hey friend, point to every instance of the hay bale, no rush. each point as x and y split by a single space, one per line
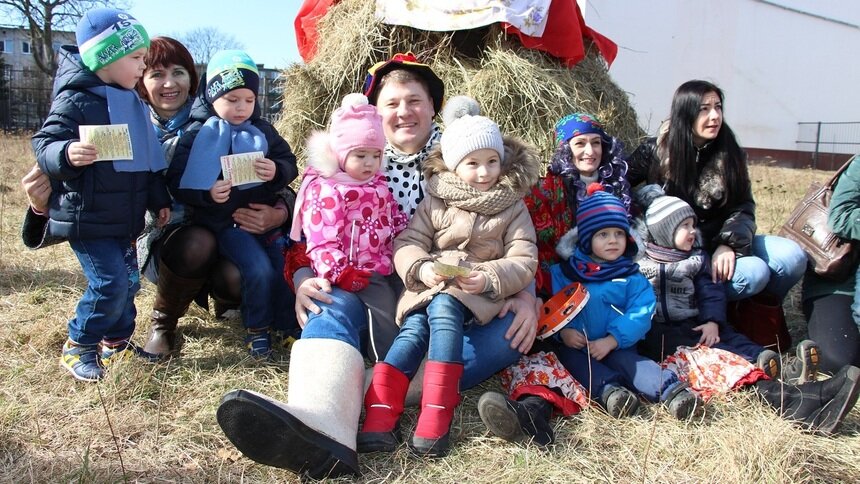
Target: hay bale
524 90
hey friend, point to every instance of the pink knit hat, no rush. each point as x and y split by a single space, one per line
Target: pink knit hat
355 124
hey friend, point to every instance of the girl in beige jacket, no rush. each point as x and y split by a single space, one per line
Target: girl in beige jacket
470 245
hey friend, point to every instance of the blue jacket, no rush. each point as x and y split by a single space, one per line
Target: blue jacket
93 201
218 216
621 307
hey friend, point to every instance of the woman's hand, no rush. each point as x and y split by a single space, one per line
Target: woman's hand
523 328
265 169
309 290
474 283
163 217
37 185
81 154
573 338
723 264
710 333
599 348
259 218
220 191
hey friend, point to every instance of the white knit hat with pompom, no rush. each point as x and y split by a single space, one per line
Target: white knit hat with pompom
467 131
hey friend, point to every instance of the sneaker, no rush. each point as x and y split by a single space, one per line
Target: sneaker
619 401
803 367
285 339
121 351
82 361
682 403
259 344
768 361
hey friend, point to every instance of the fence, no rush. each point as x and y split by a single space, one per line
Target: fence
826 140
25 99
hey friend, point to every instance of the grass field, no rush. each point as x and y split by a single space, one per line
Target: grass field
156 423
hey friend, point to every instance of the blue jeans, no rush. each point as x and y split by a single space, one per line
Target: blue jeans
486 351
436 329
620 367
734 342
855 308
776 265
267 301
106 309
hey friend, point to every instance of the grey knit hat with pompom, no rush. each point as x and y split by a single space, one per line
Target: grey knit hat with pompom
467 131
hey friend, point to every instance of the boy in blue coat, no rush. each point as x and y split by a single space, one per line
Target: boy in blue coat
99 207
600 342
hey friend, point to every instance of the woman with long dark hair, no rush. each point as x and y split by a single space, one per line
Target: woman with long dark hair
696 157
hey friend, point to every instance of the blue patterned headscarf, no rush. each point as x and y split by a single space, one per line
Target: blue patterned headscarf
577 124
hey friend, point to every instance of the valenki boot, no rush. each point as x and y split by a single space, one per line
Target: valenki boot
439 398
383 404
173 295
819 406
314 433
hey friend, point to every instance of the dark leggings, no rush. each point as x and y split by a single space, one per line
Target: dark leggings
831 325
191 252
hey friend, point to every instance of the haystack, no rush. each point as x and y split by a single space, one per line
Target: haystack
524 90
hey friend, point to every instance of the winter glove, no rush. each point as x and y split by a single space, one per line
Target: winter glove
352 279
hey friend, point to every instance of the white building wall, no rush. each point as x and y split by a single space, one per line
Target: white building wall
777 67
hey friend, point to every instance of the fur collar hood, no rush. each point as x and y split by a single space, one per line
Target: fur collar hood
520 168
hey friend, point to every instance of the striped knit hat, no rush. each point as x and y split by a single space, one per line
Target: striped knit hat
663 217
104 35
228 70
599 210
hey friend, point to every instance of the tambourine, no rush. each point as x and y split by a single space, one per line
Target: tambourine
561 309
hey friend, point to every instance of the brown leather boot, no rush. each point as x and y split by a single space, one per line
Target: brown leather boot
173 295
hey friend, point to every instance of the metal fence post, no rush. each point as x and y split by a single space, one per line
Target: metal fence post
817 142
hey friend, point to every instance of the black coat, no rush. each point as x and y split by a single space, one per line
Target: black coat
93 201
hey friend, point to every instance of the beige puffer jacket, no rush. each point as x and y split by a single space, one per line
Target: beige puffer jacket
501 245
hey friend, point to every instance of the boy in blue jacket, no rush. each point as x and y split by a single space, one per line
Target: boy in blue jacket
228 122
600 342
99 207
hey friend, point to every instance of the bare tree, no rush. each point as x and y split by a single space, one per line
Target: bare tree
43 17
204 41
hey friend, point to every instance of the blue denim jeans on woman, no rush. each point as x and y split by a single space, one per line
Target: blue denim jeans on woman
776 265
436 330
267 300
106 309
485 349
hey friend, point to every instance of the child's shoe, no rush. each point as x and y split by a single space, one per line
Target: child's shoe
259 343
440 396
802 368
120 350
768 361
383 405
82 361
682 403
517 420
285 339
619 401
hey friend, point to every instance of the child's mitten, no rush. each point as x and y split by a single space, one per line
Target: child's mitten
352 279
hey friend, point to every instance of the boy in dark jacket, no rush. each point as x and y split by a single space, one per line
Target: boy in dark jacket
100 207
229 123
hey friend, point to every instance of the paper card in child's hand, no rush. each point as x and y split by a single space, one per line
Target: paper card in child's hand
449 270
239 169
112 141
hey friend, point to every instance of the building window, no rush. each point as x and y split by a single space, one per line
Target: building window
25 47
6 46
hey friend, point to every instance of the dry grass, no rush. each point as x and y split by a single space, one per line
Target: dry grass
162 417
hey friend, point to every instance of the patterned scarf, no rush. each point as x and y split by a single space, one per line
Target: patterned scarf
403 172
215 139
457 193
659 253
170 127
583 268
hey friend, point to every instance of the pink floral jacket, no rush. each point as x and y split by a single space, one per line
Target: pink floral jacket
350 224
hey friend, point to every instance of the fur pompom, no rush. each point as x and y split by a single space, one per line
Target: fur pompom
457 107
647 194
321 157
354 99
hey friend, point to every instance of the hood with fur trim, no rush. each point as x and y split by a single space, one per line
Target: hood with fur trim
519 171
320 156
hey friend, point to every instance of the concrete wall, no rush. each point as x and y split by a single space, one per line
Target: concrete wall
779 62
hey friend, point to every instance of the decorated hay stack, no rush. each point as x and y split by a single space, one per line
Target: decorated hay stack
524 90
